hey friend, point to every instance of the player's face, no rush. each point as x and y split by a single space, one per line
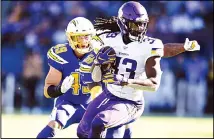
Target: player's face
82 41
136 28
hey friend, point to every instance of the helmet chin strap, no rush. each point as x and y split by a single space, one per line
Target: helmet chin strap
133 38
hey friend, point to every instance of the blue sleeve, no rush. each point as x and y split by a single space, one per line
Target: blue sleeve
85 68
54 64
55 60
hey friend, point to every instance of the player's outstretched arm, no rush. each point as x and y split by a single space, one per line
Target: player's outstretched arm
153 72
173 49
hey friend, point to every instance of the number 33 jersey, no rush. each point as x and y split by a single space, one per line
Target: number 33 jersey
130 62
62 58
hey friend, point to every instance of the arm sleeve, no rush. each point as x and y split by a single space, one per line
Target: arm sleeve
55 60
86 65
85 68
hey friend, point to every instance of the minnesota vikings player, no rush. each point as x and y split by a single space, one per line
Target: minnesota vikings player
137 69
63 79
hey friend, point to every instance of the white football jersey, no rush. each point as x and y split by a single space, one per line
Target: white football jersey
131 60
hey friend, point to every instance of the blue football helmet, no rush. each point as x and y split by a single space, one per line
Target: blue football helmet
133 20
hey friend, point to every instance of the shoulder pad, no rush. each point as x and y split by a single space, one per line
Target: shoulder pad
60 48
55 51
157 48
104 34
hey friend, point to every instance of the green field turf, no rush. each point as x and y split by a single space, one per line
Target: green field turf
28 126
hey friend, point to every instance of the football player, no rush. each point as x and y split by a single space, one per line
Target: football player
137 69
63 79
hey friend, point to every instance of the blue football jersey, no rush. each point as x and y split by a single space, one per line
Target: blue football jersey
85 68
86 65
62 58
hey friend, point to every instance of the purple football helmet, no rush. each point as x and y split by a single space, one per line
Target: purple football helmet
133 20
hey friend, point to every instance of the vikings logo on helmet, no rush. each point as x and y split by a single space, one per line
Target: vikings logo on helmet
133 20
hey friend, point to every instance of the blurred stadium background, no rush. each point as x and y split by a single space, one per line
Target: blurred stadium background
183 105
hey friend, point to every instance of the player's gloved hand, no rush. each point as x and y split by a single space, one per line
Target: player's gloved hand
191 45
105 55
111 78
66 84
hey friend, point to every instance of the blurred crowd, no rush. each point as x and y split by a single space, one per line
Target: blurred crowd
30 28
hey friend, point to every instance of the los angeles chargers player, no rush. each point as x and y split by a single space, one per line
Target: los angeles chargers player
137 69
63 79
